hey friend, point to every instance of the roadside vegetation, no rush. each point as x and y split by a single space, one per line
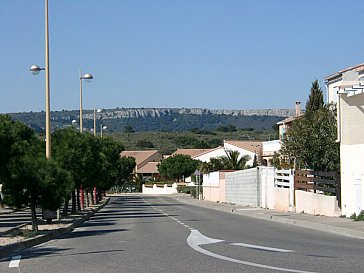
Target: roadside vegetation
79 160
310 142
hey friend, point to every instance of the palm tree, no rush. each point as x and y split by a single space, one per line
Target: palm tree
234 161
215 164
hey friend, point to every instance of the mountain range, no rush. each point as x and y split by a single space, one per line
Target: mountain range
159 119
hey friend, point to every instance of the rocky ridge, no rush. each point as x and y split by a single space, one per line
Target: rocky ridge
160 112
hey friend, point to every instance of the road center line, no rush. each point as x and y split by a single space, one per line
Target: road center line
262 247
15 261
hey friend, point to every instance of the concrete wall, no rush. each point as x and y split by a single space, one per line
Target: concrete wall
281 196
352 179
317 204
160 189
214 186
266 177
351 123
242 188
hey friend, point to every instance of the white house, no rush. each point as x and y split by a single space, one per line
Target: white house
350 123
335 80
268 150
203 155
250 148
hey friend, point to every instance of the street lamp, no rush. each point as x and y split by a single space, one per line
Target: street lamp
35 69
96 111
101 129
86 77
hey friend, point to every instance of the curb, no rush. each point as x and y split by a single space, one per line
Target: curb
297 222
5 250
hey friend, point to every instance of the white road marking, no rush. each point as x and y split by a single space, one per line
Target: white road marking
79 229
262 247
196 239
15 261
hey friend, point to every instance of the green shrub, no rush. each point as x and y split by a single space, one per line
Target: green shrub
188 190
359 217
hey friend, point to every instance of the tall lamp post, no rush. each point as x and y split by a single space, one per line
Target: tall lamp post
102 128
35 69
96 111
87 77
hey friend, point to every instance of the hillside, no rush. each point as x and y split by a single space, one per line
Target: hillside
168 142
160 119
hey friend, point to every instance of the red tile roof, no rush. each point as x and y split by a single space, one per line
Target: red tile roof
252 146
140 156
191 152
150 167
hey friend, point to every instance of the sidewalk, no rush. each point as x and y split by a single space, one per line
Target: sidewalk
12 221
335 225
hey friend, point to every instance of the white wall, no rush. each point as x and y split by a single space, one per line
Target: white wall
316 204
281 196
352 179
211 179
160 190
242 187
351 123
214 187
266 176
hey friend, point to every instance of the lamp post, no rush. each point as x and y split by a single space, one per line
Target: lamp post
101 129
35 69
87 77
96 111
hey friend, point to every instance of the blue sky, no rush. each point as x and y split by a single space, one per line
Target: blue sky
217 54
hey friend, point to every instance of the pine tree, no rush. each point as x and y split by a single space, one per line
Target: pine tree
316 99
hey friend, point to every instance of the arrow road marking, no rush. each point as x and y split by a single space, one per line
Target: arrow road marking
262 247
196 239
15 261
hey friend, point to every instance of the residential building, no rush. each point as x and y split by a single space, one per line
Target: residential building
251 148
149 171
351 75
268 150
284 125
191 152
142 158
347 88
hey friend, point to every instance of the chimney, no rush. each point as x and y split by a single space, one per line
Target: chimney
298 109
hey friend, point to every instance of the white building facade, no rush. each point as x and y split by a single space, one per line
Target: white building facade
348 90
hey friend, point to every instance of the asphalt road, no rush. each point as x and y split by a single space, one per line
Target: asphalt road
157 234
